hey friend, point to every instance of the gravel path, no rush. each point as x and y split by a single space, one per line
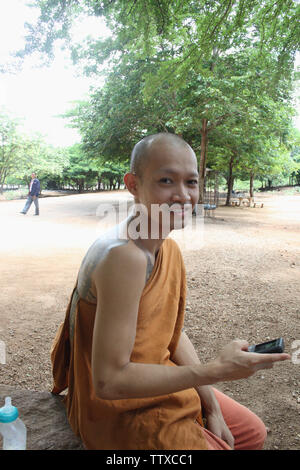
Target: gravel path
243 274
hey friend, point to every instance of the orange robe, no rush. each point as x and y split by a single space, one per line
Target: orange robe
164 422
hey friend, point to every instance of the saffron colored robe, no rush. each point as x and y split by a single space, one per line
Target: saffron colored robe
164 422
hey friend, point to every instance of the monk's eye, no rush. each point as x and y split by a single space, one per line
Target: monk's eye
193 182
165 180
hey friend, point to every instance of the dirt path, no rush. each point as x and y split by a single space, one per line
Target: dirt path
243 281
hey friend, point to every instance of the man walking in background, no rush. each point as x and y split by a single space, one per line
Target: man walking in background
33 195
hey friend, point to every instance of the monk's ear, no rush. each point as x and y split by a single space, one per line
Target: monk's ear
130 180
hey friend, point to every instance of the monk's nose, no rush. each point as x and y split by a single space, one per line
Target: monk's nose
181 195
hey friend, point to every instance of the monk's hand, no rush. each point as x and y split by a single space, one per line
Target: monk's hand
215 423
235 362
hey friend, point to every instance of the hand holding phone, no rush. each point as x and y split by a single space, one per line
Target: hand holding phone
234 361
269 347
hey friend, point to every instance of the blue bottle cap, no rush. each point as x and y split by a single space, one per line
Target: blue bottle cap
8 413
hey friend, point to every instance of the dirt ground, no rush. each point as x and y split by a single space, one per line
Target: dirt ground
243 275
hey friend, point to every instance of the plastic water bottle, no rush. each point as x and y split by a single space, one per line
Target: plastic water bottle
12 427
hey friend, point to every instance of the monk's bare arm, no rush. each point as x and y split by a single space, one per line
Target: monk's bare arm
119 283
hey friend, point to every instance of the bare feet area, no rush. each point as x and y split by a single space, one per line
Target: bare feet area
243 275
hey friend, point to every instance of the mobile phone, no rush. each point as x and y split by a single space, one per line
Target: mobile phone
269 347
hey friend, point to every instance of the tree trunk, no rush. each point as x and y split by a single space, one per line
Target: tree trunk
216 189
251 184
80 185
202 162
230 181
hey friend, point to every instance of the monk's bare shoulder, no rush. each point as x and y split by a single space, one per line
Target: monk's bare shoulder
124 262
89 263
101 260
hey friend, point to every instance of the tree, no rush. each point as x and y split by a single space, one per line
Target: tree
20 155
112 173
79 171
295 156
191 29
234 98
12 146
252 141
210 61
117 115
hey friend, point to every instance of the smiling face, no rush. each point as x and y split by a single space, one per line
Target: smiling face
169 178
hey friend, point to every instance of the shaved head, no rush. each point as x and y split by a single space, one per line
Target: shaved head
142 150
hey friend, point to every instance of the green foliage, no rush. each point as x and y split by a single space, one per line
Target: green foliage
174 66
12 148
21 155
78 171
111 173
117 114
190 28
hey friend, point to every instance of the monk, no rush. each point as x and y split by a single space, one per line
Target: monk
133 378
